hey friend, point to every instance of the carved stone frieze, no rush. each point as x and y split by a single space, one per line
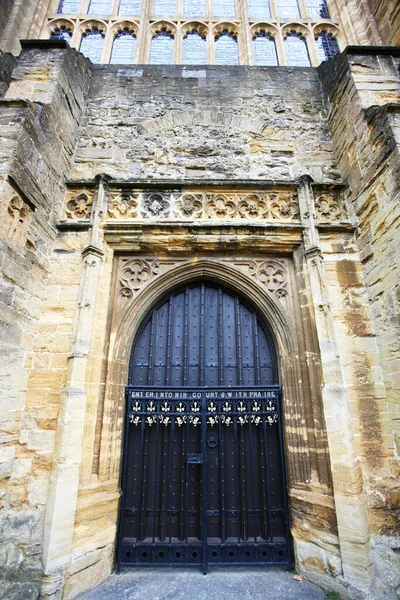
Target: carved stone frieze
155 205
79 204
189 206
330 207
268 205
122 205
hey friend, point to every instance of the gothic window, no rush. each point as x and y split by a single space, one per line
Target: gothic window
162 49
224 9
296 51
99 7
69 6
61 33
264 50
194 49
226 49
164 8
259 9
288 9
318 9
129 7
123 50
92 45
194 8
327 46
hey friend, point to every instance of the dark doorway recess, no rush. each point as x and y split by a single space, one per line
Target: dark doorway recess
203 476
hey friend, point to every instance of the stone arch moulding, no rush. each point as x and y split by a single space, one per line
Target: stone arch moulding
126 324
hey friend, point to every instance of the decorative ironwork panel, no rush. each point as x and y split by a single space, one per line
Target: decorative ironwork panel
203 479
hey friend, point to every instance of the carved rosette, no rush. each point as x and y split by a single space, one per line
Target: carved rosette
330 208
283 206
252 206
155 205
123 205
220 206
189 206
79 205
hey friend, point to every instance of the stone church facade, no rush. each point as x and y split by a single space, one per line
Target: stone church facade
122 183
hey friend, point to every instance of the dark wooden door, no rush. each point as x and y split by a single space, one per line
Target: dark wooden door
203 478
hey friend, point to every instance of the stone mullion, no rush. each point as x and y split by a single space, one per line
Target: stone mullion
108 44
351 511
67 458
244 33
210 47
312 49
178 43
274 10
143 33
114 8
302 4
84 9
280 48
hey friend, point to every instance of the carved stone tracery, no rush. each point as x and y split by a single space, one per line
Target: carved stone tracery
330 207
123 205
79 204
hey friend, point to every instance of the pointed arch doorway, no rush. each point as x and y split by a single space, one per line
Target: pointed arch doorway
203 472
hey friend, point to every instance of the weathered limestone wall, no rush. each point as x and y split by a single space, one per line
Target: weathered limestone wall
364 100
159 122
39 116
387 16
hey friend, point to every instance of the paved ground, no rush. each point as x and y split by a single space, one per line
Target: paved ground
235 584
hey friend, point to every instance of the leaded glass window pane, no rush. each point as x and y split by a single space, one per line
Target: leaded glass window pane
69 6
226 50
194 8
224 9
194 49
164 8
259 9
61 33
327 46
296 51
264 51
123 50
318 9
92 45
162 49
288 9
99 7
129 7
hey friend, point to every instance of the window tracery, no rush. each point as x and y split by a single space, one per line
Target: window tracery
327 46
288 9
286 39
68 6
264 50
162 48
226 49
194 50
296 50
129 7
61 32
92 44
99 7
124 46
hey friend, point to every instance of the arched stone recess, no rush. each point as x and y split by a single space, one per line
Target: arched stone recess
268 285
